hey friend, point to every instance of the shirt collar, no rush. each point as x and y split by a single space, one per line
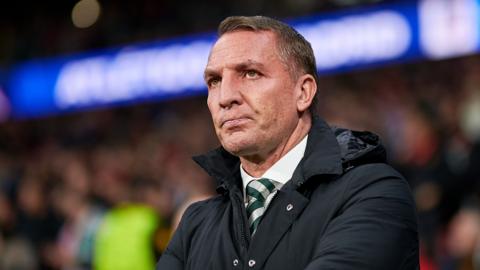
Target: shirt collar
283 169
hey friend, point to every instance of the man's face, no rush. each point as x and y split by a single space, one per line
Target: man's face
251 93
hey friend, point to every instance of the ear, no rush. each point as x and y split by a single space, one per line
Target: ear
306 90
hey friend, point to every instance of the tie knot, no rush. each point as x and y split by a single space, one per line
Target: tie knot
260 189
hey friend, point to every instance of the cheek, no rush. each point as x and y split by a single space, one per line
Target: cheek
209 101
281 110
214 111
211 108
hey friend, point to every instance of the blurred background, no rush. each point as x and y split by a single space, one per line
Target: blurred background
102 105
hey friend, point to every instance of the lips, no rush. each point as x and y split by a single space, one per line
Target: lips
234 122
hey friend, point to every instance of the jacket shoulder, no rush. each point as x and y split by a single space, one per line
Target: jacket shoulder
197 211
176 254
378 181
373 224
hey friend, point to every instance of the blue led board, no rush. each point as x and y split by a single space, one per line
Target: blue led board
141 72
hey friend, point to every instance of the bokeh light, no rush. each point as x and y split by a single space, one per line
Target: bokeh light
85 13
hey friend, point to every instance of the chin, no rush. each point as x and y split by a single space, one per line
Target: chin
235 150
239 147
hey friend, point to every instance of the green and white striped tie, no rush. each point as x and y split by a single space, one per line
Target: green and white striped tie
257 193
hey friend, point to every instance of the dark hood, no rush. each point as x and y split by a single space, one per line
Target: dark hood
359 147
330 151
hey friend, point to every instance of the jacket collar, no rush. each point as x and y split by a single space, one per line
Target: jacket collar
322 156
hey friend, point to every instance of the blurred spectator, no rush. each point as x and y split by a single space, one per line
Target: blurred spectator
126 236
17 252
463 238
77 236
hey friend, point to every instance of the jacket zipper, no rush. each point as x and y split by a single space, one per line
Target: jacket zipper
243 234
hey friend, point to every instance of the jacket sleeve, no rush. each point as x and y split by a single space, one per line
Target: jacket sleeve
174 257
375 228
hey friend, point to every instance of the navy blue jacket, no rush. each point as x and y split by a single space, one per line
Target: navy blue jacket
350 211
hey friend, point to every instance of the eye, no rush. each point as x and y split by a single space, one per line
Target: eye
251 74
213 82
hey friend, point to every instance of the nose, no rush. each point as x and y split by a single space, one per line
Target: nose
230 94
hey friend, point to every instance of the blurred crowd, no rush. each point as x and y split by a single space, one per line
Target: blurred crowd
104 189
74 188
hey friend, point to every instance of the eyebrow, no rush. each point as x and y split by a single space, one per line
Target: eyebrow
248 64
210 72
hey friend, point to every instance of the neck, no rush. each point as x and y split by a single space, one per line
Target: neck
256 165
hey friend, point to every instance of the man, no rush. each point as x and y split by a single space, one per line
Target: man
293 192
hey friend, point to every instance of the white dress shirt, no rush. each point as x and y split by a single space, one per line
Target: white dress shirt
281 172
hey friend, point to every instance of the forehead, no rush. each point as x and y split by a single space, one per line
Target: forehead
242 45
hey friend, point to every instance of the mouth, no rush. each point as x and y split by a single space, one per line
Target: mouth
234 122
